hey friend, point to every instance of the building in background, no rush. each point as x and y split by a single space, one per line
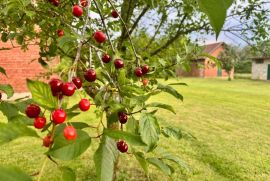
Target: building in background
260 68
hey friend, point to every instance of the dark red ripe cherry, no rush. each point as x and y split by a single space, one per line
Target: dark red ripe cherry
77 82
115 14
138 72
58 116
60 33
70 133
39 122
122 117
100 37
84 3
122 146
0 95
56 86
56 2
84 105
47 141
145 69
32 111
90 75
118 63
68 89
77 11
106 58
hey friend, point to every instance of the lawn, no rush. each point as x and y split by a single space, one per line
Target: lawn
230 121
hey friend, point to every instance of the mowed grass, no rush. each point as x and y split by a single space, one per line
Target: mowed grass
230 120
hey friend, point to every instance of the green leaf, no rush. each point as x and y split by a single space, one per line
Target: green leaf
161 105
21 119
13 174
179 83
7 89
129 137
42 94
149 130
216 12
170 90
67 174
132 125
2 70
69 149
12 131
8 109
142 161
165 168
104 158
172 132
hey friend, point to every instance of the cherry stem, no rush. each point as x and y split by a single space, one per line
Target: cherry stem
42 168
137 111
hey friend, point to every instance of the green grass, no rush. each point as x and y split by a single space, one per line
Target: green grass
229 119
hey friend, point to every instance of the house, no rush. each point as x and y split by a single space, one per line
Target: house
19 65
204 67
261 68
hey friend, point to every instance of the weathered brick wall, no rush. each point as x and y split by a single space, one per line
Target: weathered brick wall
19 65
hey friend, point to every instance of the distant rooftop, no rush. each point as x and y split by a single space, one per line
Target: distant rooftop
212 47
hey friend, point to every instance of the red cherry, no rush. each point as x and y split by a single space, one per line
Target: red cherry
56 86
115 14
58 116
60 33
106 58
56 2
68 89
84 3
70 133
39 122
100 37
77 11
84 104
138 72
77 81
90 75
47 141
122 146
122 117
32 111
118 63
145 82
145 69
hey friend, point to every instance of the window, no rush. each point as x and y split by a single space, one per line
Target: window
259 61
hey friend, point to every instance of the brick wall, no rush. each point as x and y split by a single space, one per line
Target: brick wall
19 65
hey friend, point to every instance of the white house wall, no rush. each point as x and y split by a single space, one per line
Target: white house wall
259 71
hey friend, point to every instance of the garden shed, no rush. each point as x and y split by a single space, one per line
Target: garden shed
261 68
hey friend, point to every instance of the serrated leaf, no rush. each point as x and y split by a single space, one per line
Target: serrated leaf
69 149
13 174
2 70
161 105
42 94
8 89
67 174
170 90
142 161
105 158
149 130
12 131
172 132
165 168
131 138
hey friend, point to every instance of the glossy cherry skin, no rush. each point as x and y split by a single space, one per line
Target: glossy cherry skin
118 63
145 82
84 105
138 72
77 82
47 141
55 2
106 58
100 37
68 89
145 69
0 95
90 75
56 86
60 33
77 11
39 122
122 117
70 133
59 116
122 146
115 14
32 111
84 3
